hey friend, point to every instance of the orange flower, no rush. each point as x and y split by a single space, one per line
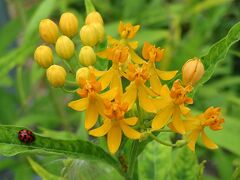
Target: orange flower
171 106
127 31
115 123
137 89
92 100
153 54
195 125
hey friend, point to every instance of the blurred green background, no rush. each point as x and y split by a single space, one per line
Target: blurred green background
186 28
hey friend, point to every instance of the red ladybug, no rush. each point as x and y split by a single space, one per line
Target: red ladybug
26 136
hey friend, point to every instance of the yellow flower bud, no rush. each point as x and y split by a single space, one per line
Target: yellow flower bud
56 75
43 56
89 35
68 24
64 47
192 71
87 56
100 31
48 31
94 17
82 73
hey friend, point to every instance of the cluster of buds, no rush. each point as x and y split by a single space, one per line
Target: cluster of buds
102 93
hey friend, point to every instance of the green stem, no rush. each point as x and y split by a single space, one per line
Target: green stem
89 6
69 91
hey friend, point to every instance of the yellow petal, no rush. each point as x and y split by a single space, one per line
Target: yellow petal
165 92
184 109
106 79
148 91
96 72
130 95
112 41
131 121
162 118
133 44
114 138
135 58
110 94
155 82
177 122
192 138
103 54
208 142
91 115
161 103
102 130
166 75
145 101
116 81
130 132
79 105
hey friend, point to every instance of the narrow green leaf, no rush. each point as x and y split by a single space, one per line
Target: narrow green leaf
10 146
43 173
218 52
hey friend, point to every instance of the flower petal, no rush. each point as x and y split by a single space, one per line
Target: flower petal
130 95
162 118
91 115
165 92
102 130
96 72
177 122
135 58
166 75
192 138
130 132
133 44
145 101
155 82
131 121
103 54
208 142
110 94
116 81
106 78
79 105
184 109
114 138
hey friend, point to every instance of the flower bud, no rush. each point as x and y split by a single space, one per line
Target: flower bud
56 75
82 73
43 56
68 24
48 31
87 56
64 47
100 31
89 35
94 17
192 71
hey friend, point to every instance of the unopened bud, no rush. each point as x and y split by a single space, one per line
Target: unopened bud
68 24
82 73
89 35
87 56
64 47
43 56
56 75
94 17
100 31
48 31
192 71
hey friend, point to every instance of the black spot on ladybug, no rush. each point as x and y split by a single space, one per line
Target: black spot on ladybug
26 136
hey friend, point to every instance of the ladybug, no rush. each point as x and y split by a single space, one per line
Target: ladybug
26 136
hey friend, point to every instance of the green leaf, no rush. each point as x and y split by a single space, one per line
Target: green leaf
43 173
155 160
185 165
218 52
10 146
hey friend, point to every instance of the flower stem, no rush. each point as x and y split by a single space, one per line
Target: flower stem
20 87
89 6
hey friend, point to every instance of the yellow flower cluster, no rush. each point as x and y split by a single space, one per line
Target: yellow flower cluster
130 79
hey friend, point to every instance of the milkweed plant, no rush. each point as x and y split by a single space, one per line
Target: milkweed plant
131 99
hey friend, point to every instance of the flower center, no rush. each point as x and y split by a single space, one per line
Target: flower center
115 110
139 74
213 119
179 93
